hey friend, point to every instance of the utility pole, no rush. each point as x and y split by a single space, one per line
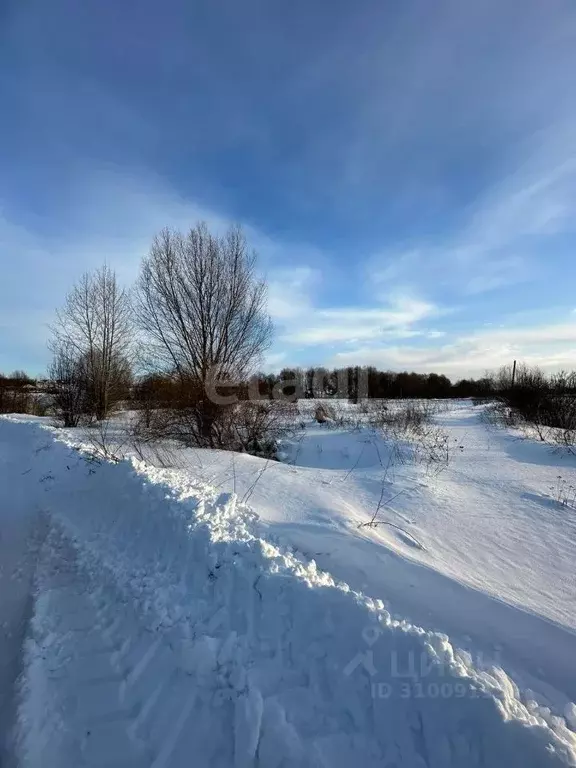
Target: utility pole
513 373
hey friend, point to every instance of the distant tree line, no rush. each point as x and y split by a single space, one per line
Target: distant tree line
84 385
356 383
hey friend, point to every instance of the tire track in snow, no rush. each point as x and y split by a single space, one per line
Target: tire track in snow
102 690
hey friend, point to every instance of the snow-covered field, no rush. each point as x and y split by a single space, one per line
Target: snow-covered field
206 608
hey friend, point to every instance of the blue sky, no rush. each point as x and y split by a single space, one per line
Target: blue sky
405 169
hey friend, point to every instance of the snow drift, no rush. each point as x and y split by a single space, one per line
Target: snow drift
165 628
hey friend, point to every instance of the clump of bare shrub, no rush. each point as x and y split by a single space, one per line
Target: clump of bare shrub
15 396
410 428
256 427
400 416
321 413
172 409
21 394
537 404
337 414
407 425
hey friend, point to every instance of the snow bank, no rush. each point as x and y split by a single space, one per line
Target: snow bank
222 645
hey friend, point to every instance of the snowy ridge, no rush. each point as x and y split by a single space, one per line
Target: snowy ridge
165 626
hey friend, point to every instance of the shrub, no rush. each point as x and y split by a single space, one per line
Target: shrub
545 403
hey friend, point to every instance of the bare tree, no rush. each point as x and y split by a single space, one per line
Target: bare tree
203 311
68 377
96 325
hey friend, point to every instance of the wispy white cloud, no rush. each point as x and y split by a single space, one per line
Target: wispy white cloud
303 322
551 346
289 293
508 234
273 361
352 324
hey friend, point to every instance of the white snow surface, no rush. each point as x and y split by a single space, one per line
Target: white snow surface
153 619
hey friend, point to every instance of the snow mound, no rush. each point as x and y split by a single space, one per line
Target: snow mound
166 626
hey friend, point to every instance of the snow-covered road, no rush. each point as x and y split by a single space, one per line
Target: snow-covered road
164 623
